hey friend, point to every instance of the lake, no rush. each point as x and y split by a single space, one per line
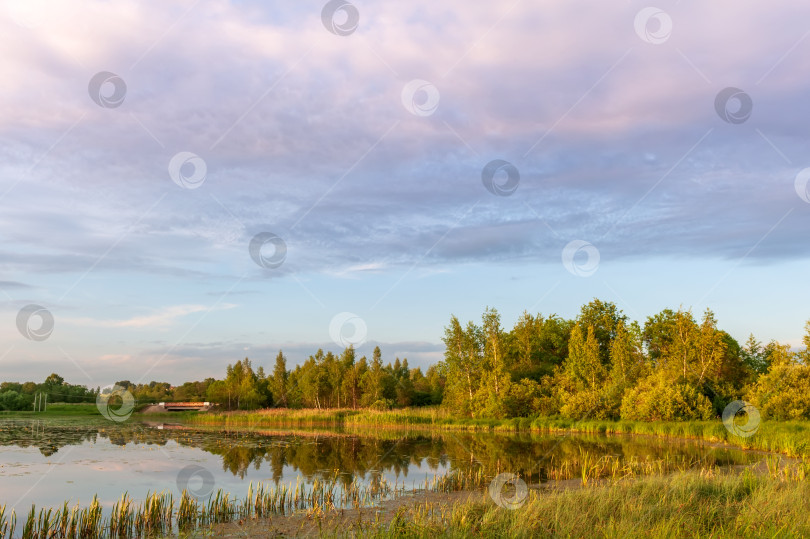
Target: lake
49 461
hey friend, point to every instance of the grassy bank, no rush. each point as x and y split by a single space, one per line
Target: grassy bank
691 504
705 502
57 409
791 438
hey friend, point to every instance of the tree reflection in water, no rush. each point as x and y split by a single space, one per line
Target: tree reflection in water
325 454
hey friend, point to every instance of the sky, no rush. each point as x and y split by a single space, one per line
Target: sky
187 183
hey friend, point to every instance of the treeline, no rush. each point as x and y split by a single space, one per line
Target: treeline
603 366
16 396
600 365
324 380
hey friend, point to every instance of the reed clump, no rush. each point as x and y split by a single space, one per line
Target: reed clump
158 515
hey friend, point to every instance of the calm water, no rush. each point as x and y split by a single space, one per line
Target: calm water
46 462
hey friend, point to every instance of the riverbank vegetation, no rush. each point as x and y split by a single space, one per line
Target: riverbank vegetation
791 438
705 503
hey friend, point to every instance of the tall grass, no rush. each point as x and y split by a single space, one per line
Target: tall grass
703 503
426 416
791 438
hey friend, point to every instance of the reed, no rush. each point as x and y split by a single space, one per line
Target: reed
7 522
157 515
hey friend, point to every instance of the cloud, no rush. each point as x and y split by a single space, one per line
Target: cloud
13 285
161 319
305 131
304 134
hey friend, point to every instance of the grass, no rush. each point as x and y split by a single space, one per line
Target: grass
693 504
609 502
59 409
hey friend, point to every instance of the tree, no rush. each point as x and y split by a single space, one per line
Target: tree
804 355
753 354
525 340
353 377
278 384
579 381
659 332
584 364
496 382
781 393
314 381
464 359
54 380
626 356
218 393
604 317
378 385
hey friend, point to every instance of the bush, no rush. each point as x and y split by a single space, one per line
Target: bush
382 404
523 399
585 404
782 392
655 400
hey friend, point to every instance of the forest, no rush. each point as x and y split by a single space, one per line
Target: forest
600 365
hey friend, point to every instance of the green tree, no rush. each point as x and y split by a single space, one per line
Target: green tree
584 364
280 380
496 382
378 385
464 359
754 356
604 317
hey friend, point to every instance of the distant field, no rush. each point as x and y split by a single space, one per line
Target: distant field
61 409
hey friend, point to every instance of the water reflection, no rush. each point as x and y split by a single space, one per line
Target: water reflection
325 454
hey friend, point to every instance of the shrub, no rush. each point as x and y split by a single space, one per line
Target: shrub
656 400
